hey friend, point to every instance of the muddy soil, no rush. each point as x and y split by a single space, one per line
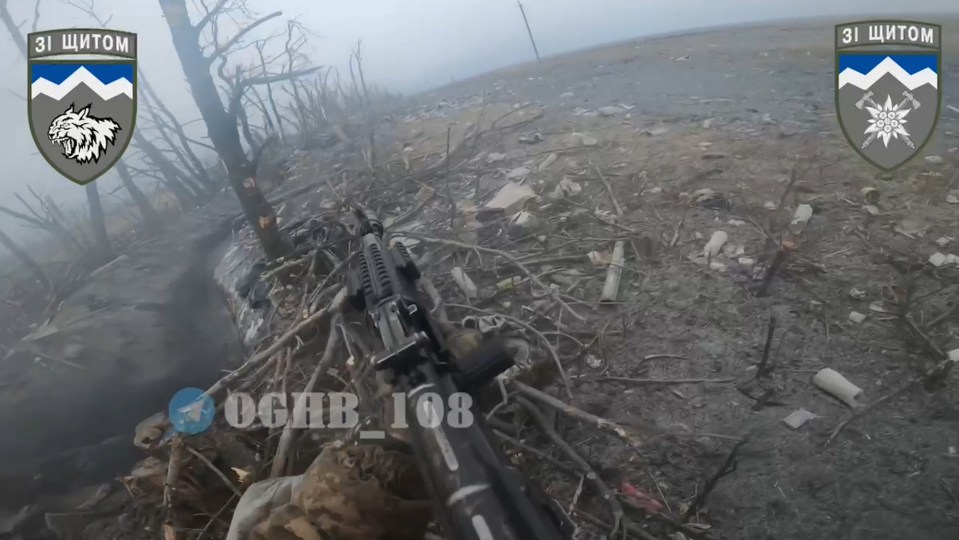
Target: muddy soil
147 325
736 111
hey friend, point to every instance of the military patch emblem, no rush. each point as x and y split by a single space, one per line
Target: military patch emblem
888 88
82 108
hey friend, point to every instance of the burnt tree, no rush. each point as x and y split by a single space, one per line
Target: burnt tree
27 260
104 250
152 222
221 120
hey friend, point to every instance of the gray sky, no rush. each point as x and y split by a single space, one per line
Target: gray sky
408 45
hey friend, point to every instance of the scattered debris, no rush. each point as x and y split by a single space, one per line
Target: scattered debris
937 259
933 159
523 223
519 173
614 273
857 294
583 139
532 138
608 111
870 194
797 418
943 241
464 282
566 188
599 258
856 317
838 386
911 227
495 157
656 131
716 241
800 218
550 159
511 198
953 197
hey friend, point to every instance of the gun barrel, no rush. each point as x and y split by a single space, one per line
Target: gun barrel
475 495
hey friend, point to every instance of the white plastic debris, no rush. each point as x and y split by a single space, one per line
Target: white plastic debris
550 159
736 222
598 258
954 355
871 209
593 361
943 241
870 194
493 157
511 198
716 241
769 205
857 294
609 111
797 418
835 384
934 159
523 223
937 259
800 218
566 188
953 197
464 282
747 261
614 273
856 317
583 139
518 173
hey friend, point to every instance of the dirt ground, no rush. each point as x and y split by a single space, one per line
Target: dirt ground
740 113
735 112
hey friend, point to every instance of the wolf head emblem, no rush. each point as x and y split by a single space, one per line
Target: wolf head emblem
82 138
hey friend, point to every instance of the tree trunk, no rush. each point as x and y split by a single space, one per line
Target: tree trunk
222 129
27 260
152 222
98 223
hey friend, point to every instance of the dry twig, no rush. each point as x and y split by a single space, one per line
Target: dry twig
615 507
522 268
283 447
566 409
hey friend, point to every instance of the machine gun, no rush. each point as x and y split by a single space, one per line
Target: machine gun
476 494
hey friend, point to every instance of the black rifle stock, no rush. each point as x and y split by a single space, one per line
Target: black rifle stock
475 493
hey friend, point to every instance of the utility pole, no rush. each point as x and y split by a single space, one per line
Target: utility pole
528 31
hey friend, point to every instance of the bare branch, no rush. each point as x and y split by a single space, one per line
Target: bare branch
12 28
223 49
36 16
210 14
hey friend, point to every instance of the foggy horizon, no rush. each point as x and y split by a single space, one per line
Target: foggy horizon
406 48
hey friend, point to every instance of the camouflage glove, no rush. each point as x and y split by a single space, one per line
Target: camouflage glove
354 493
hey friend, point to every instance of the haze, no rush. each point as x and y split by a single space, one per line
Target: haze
407 46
